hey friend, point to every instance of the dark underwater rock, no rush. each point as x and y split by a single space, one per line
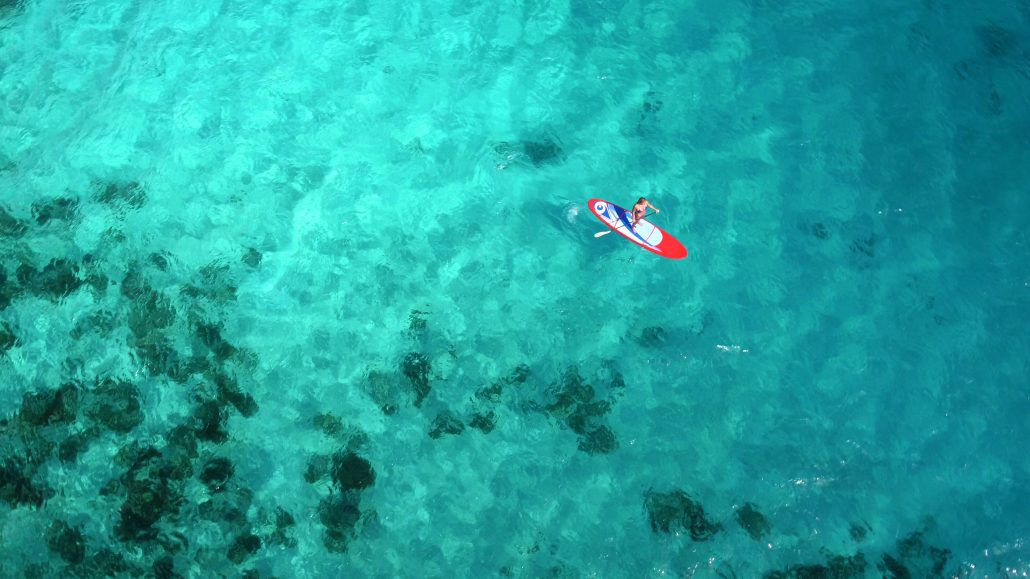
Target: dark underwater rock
893 569
51 406
160 260
216 284
864 246
56 280
134 456
134 284
283 533
846 567
113 487
148 500
340 515
446 423
244 546
384 390
160 358
416 368
11 226
164 568
8 291
995 104
59 278
25 274
115 405
600 440
176 365
178 465
916 558
859 531
16 488
836 567
491 394
652 104
216 474
675 512
7 338
173 463
251 257
131 194
652 337
28 445
106 563
587 417
61 208
649 109
101 322
417 321
330 425
75 444
752 521
820 231
569 391
229 391
149 312
283 519
577 405
865 237
211 336
66 541
542 152
519 374
182 439
352 472
318 468
997 40
282 524
483 421
208 419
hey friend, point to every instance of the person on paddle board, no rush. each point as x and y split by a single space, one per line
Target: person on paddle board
639 210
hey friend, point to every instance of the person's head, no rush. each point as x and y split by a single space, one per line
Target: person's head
641 200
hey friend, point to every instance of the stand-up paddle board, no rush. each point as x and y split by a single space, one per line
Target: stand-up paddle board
645 234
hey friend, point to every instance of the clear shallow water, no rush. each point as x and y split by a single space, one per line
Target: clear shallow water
282 224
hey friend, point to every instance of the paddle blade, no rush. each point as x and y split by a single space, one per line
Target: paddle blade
602 233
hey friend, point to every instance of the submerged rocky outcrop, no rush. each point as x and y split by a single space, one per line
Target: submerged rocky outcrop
94 408
675 512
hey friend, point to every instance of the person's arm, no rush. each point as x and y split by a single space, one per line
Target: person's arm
656 210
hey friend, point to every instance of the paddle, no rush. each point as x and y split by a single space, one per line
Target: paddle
607 231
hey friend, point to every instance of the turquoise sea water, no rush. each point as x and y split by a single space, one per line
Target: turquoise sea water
310 289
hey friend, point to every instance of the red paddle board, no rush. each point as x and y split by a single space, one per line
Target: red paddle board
645 234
